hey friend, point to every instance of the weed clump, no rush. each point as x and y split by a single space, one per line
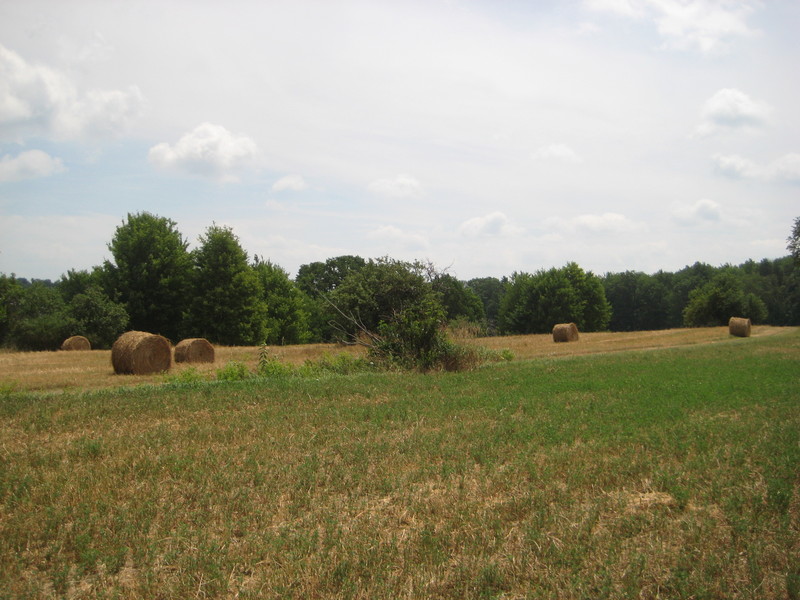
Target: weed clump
233 371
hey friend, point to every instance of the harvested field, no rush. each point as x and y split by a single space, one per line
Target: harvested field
92 370
621 474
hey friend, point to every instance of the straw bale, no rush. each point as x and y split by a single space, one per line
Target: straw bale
565 332
194 350
76 342
141 353
739 327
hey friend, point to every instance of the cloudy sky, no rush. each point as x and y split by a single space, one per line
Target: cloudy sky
488 137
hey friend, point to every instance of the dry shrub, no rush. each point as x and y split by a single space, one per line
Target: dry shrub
141 353
194 350
739 327
76 342
565 332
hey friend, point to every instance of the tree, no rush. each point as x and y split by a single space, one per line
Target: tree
534 303
40 321
794 241
596 310
287 320
151 273
10 293
680 287
77 282
490 290
375 292
720 299
638 301
458 300
228 301
323 277
318 279
391 307
97 317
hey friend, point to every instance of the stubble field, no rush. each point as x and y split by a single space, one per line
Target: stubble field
646 465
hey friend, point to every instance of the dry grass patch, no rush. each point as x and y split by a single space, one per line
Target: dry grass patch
41 371
616 477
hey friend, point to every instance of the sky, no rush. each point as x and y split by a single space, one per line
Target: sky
485 137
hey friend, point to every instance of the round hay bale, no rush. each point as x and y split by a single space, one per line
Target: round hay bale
565 332
194 350
141 353
739 327
76 342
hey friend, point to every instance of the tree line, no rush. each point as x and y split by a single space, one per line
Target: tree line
153 282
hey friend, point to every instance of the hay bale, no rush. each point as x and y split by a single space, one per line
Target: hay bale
194 350
76 342
141 353
739 327
565 332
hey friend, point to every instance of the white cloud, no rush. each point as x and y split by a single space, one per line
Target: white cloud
31 164
626 8
786 168
705 25
704 210
602 224
396 236
558 152
208 151
293 183
737 166
729 110
36 100
402 186
492 225
587 28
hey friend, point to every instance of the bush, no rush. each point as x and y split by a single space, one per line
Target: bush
339 364
188 376
270 366
233 371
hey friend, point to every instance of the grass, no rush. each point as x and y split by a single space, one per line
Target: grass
58 371
666 473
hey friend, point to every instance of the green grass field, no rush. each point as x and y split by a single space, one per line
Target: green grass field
664 473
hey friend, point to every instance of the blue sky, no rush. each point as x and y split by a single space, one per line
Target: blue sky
487 137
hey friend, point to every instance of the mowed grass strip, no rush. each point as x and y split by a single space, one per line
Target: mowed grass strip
669 473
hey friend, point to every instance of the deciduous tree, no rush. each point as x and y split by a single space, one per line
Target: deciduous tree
228 301
794 241
151 273
286 314
720 299
534 303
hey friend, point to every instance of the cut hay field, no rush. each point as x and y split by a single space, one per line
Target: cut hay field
42 371
647 465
